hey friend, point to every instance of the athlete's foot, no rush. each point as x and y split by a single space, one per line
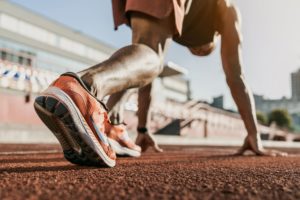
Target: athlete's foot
253 143
78 120
146 140
120 141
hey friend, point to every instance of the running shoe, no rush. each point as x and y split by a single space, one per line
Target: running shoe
120 141
78 120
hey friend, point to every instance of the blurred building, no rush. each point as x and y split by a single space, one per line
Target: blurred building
292 105
43 45
267 105
295 81
218 102
172 85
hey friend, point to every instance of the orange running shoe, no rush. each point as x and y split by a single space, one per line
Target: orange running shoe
120 141
78 121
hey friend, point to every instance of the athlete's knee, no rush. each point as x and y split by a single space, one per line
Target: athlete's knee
151 61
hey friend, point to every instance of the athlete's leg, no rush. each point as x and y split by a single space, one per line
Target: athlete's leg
115 107
114 99
135 65
144 102
144 138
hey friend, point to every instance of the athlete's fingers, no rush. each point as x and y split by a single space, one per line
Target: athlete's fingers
157 149
240 152
243 148
280 153
272 153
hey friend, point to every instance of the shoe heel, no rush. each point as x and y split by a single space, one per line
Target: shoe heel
45 108
57 118
51 112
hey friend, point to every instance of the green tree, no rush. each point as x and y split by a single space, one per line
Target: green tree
261 118
282 118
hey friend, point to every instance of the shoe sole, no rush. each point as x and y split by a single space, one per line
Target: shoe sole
123 151
80 146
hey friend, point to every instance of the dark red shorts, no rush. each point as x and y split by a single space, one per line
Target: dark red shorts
156 8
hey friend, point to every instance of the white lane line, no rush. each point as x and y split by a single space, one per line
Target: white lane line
191 141
29 152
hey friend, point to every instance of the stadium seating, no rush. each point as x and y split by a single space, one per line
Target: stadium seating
24 78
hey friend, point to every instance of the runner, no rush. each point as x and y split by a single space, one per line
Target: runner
71 107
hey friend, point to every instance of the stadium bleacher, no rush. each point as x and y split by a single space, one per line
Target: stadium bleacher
24 78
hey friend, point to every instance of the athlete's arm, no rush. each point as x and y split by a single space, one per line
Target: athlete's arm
232 64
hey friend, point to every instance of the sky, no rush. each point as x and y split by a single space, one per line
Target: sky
271 43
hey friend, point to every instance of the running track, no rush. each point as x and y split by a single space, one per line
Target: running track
40 172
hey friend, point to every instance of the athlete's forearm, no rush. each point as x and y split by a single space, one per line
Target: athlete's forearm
243 98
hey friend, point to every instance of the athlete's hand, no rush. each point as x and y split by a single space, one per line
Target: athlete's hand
146 140
253 143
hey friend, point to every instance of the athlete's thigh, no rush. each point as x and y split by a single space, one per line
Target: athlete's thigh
151 31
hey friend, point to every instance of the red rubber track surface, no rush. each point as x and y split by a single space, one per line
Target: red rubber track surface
178 173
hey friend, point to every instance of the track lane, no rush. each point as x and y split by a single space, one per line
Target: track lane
178 173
